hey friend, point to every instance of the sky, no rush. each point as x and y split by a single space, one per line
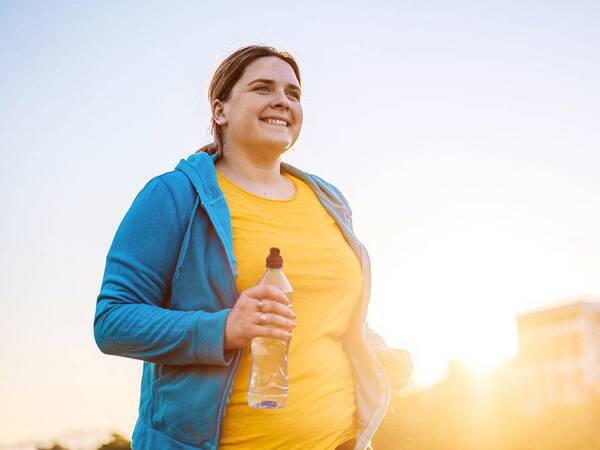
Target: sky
464 134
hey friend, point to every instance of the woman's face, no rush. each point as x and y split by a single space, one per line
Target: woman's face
263 111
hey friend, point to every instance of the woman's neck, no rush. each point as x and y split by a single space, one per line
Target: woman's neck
257 169
261 176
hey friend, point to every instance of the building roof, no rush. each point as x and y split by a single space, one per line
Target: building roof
567 309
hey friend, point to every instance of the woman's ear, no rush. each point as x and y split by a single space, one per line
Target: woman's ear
218 112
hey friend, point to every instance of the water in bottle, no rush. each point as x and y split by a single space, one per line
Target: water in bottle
268 386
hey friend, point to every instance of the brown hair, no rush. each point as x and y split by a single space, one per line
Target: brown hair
229 72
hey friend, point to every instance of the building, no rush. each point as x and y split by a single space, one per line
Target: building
559 354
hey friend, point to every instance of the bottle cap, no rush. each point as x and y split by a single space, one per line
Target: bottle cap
274 260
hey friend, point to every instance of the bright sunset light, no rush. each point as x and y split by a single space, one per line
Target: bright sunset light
463 135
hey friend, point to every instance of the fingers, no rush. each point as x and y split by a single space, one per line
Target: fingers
405 359
272 332
261 310
270 306
267 291
271 299
275 320
398 367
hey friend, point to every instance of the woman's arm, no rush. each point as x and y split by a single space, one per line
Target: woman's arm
130 319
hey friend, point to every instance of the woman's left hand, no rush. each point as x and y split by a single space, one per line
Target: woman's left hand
398 367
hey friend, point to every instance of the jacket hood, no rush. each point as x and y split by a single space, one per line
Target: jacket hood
199 168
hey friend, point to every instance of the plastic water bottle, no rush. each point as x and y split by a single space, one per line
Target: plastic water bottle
268 386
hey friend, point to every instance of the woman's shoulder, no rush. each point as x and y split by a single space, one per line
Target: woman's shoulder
323 188
331 188
173 187
317 179
174 179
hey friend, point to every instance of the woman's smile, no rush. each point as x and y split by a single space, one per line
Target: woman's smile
278 122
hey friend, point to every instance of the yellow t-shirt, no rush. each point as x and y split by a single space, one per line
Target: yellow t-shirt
326 277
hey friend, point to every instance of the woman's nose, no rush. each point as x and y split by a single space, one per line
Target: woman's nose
280 100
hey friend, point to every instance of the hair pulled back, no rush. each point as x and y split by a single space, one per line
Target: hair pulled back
229 72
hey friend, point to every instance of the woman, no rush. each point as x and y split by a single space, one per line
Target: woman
180 286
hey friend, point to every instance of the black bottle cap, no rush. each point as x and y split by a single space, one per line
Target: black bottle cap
274 260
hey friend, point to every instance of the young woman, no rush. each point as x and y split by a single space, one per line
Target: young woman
180 286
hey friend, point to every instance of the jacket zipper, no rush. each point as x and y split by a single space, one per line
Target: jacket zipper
227 394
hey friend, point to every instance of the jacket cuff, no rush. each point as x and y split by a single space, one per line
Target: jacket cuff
210 338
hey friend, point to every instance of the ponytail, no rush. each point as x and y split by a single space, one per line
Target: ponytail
211 148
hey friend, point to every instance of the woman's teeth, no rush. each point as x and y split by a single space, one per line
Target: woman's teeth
276 122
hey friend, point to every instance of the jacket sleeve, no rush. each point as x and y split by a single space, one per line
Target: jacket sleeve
131 319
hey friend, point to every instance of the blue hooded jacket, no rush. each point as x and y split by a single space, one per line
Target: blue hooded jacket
168 286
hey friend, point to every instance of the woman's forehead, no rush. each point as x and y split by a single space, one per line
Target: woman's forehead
269 68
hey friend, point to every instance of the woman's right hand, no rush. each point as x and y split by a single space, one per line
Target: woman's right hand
262 310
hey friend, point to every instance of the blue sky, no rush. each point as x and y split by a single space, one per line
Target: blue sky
464 135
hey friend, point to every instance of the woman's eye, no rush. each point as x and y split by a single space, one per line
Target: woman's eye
262 88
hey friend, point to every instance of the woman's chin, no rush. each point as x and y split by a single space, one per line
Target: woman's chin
271 143
275 145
